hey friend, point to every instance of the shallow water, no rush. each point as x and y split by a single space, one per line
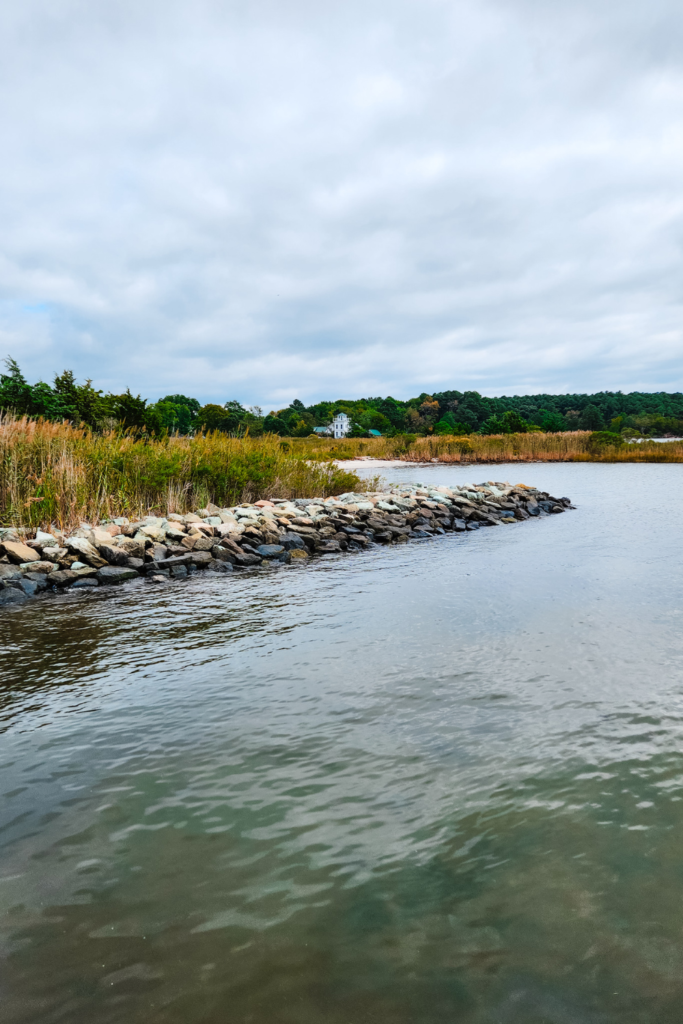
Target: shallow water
441 782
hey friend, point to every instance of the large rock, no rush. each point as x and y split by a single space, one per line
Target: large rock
132 547
115 574
9 572
113 555
8 595
290 541
270 550
18 552
61 578
200 558
86 551
40 566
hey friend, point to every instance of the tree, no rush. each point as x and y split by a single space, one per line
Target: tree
214 417
591 419
274 425
553 422
514 422
15 391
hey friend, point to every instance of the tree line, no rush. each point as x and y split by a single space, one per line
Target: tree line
653 414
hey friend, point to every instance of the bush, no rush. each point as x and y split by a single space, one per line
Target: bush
601 439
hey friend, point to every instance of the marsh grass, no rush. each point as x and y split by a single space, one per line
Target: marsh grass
55 473
574 446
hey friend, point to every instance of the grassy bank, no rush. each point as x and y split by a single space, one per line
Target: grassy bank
53 473
574 446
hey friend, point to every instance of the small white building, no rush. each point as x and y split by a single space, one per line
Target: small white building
341 425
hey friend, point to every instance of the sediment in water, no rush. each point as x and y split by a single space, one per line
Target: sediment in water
263 533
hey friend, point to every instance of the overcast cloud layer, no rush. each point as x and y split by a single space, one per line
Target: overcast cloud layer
269 200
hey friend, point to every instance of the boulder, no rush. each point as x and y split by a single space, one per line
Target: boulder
290 541
174 560
38 578
61 578
115 574
270 550
114 555
9 572
200 558
85 581
86 551
132 547
217 565
39 566
298 553
18 552
8 595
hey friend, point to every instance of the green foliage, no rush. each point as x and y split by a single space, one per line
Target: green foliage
600 439
591 419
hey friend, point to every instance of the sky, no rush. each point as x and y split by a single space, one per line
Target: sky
265 200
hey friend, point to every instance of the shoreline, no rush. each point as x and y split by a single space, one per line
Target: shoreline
263 533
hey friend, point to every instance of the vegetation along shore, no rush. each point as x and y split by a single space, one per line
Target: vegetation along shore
263 533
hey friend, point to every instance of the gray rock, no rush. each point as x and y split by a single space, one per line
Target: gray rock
175 560
61 578
217 565
199 559
86 581
115 574
115 555
8 595
292 540
459 525
10 572
270 550
38 578
86 551
179 570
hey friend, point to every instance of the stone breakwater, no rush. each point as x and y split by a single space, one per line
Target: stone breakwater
224 540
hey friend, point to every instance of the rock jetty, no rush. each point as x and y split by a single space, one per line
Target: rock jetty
263 533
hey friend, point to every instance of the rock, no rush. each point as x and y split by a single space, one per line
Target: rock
61 578
132 547
203 544
39 566
200 559
328 547
115 574
298 553
86 551
38 578
135 563
46 540
270 550
290 541
459 525
157 552
18 552
217 565
10 572
114 555
179 570
8 595
175 560
85 581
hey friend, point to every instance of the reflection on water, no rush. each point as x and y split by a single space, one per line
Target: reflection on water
441 782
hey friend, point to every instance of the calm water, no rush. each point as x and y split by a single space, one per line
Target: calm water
437 783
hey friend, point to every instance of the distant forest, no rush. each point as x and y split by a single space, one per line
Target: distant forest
653 414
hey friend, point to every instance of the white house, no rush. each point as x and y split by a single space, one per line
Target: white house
341 425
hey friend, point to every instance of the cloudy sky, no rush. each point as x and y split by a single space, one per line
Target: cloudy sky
270 199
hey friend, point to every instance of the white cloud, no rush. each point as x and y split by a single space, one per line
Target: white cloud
269 200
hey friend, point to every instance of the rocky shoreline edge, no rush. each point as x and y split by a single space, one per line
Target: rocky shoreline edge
225 540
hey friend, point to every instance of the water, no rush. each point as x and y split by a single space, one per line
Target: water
437 783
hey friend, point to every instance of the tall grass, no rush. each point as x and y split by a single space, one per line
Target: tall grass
573 446
55 473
